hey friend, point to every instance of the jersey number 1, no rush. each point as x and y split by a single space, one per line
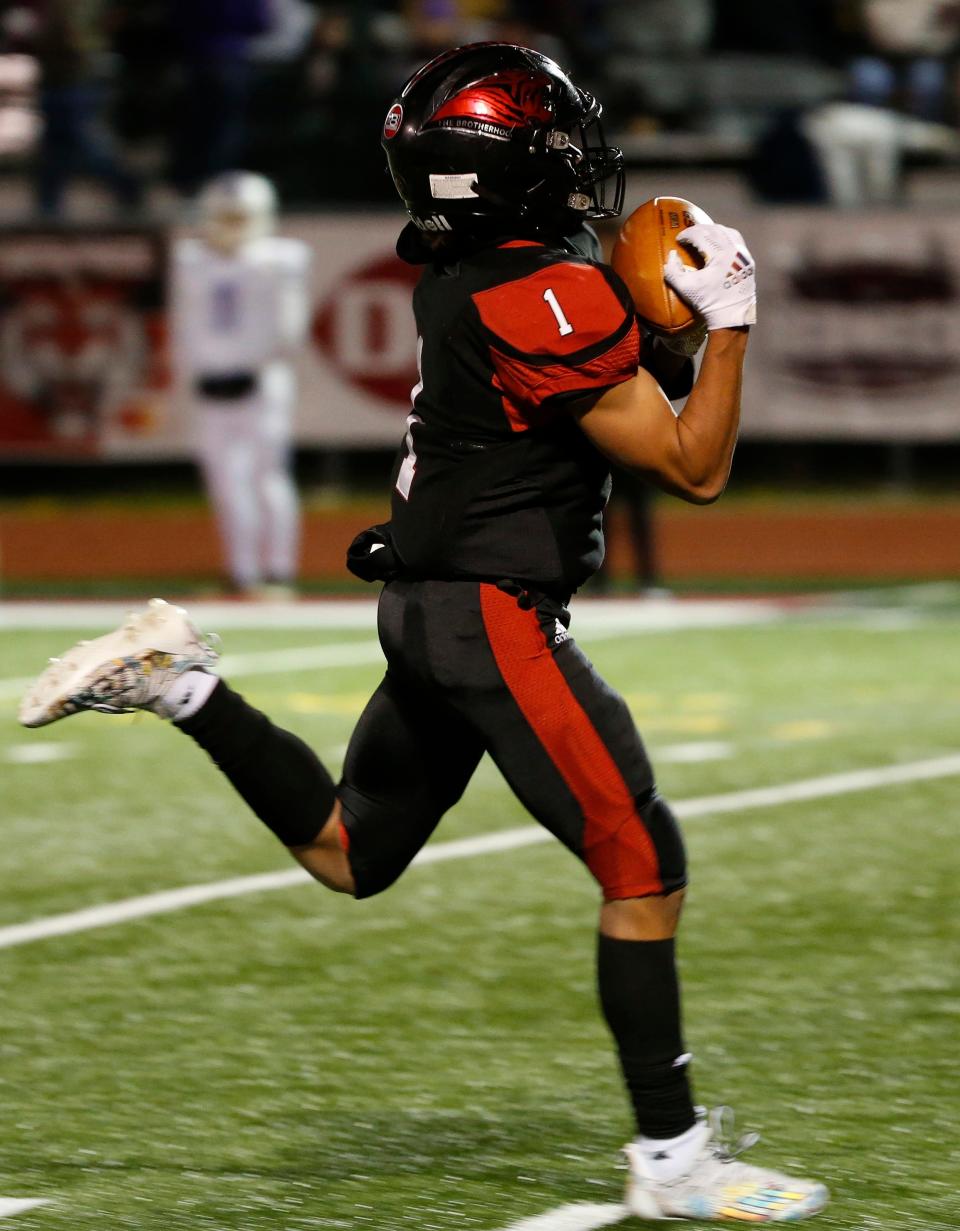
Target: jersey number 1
563 324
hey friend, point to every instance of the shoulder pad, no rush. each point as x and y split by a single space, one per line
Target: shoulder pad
566 306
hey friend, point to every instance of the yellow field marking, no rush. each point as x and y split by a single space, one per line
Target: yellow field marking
707 700
326 703
686 724
803 728
645 705
643 701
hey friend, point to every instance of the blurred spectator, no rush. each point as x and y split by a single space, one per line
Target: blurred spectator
360 57
297 88
293 25
287 112
652 55
71 46
143 41
861 150
785 167
908 65
658 27
899 98
214 37
19 121
436 25
788 27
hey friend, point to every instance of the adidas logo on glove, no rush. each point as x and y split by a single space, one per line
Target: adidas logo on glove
741 269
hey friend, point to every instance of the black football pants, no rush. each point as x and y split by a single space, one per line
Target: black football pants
470 669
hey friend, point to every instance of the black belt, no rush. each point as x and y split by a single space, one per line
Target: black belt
530 598
373 557
227 387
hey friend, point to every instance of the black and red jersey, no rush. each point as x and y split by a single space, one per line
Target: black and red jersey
494 479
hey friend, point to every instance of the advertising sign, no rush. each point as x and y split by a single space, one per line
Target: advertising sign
858 336
859 326
82 344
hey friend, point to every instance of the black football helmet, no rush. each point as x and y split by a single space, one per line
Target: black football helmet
492 136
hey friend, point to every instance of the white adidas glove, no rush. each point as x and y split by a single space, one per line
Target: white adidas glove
724 292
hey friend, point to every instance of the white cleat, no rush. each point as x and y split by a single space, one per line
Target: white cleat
129 669
718 1187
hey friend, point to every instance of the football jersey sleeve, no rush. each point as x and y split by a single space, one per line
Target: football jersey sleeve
558 333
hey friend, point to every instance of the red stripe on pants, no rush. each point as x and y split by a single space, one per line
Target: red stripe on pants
617 848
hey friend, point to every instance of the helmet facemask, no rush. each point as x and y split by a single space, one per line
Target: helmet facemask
601 179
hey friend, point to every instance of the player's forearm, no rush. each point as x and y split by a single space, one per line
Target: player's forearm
707 428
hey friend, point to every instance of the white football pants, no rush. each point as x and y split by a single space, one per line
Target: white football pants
245 456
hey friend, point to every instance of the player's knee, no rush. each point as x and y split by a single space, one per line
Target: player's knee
641 855
379 854
331 870
327 857
333 874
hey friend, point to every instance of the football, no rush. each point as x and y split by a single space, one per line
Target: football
645 241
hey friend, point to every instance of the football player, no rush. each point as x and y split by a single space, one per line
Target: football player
533 373
240 312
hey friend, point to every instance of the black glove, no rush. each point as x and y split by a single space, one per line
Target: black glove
371 555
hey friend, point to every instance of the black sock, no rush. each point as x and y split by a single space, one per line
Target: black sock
274 771
640 997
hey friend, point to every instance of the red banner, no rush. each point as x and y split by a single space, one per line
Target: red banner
82 343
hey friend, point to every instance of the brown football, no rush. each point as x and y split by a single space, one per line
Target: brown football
645 241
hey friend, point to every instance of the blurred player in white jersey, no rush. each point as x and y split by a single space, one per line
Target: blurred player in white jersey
240 313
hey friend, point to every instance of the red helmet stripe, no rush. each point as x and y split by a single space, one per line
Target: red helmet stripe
513 98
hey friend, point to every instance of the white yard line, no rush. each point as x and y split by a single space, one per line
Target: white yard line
264 662
19 1205
327 614
302 658
821 788
170 900
38 753
321 614
595 620
580 1216
693 753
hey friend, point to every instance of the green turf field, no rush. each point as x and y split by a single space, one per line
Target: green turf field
433 1059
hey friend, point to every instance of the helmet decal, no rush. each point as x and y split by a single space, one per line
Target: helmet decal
391 125
453 187
513 98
